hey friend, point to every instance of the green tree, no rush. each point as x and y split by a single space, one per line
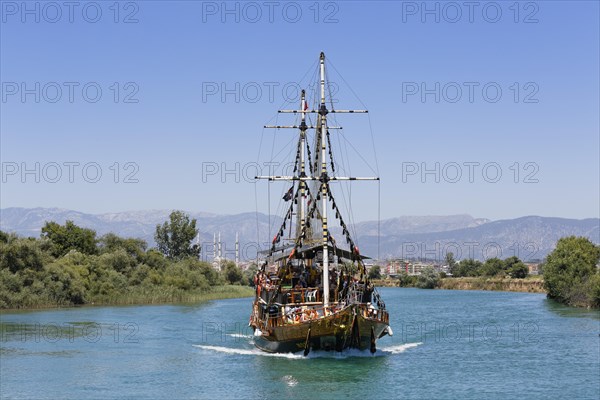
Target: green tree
428 279
405 280
468 267
20 254
450 262
511 262
375 272
515 268
519 271
65 238
233 274
134 247
63 281
250 272
491 267
174 237
155 259
186 274
212 275
571 274
119 260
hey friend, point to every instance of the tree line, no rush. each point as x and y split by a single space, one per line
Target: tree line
71 265
511 267
571 272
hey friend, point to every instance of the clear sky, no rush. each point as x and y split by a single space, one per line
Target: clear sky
464 90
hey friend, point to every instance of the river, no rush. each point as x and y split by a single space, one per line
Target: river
446 344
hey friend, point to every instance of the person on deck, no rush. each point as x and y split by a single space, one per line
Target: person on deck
302 281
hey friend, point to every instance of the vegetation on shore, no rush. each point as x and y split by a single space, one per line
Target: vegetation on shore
531 284
571 274
511 267
68 265
478 274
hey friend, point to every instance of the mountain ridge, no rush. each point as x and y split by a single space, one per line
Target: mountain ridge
430 236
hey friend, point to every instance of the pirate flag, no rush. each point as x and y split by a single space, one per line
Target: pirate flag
289 194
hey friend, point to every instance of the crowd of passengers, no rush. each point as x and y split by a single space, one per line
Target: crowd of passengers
309 278
295 315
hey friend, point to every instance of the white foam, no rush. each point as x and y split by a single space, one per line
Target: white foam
247 352
385 351
401 348
290 380
239 335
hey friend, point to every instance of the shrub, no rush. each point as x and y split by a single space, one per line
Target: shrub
428 279
571 274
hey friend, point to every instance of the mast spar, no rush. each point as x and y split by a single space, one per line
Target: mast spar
323 130
303 129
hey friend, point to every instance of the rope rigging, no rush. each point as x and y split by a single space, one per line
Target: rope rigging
330 153
314 164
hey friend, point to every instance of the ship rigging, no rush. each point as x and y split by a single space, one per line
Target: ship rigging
314 293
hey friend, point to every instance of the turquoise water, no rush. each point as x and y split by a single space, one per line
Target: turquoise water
446 344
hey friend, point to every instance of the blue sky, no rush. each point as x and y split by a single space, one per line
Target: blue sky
161 121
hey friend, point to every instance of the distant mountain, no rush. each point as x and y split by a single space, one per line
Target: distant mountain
407 236
420 224
529 238
142 224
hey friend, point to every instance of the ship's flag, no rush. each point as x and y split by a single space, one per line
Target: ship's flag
289 194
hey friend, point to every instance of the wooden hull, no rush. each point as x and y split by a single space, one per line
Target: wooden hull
347 328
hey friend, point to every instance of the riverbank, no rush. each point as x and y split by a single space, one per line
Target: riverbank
529 285
174 295
154 295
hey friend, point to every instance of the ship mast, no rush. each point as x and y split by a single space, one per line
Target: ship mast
323 178
323 130
303 129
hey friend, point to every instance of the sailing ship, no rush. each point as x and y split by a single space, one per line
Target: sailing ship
312 293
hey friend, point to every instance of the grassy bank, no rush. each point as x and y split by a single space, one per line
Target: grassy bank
71 267
530 284
162 295
150 295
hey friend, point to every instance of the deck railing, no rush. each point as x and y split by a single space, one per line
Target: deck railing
304 295
273 312
274 316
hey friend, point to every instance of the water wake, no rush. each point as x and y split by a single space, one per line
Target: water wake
384 351
239 335
247 352
400 348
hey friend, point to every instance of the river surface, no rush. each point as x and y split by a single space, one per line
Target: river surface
446 344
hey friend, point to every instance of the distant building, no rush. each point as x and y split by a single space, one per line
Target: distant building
416 268
533 268
394 267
